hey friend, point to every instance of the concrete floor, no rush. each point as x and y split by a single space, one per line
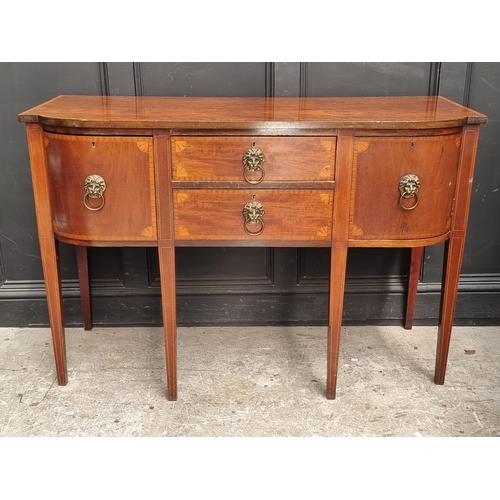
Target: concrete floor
250 381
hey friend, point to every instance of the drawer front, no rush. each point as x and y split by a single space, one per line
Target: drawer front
218 214
123 166
403 187
283 158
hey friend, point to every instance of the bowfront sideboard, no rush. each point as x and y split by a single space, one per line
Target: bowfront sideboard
318 172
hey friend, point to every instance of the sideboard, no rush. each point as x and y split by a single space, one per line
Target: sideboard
319 172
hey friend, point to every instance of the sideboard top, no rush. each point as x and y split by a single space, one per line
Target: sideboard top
413 112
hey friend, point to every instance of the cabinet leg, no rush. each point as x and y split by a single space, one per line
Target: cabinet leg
168 296
83 279
336 302
413 275
49 250
451 275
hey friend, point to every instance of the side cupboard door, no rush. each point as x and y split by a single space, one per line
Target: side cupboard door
403 187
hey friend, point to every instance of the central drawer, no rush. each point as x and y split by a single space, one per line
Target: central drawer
215 158
295 215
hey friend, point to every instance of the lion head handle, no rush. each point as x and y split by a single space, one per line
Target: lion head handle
94 186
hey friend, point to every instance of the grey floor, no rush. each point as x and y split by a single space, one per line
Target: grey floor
250 381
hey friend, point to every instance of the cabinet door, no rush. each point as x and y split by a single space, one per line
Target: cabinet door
102 188
403 187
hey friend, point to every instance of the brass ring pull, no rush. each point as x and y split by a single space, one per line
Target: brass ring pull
408 208
94 186
257 181
253 213
256 233
408 187
253 160
92 208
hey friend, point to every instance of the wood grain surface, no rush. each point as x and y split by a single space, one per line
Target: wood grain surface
379 165
244 113
220 158
217 214
125 164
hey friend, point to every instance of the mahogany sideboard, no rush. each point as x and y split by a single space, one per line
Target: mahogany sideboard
185 171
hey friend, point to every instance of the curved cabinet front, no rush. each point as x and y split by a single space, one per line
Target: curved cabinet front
403 188
102 188
331 172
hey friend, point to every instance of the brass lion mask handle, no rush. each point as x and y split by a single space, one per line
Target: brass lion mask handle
253 213
409 185
253 161
94 186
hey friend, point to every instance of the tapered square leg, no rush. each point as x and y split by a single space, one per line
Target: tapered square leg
451 275
413 276
49 250
336 302
84 281
167 276
49 247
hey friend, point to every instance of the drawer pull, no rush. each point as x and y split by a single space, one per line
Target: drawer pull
94 188
253 160
408 187
253 213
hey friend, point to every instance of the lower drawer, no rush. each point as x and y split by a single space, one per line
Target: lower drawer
218 214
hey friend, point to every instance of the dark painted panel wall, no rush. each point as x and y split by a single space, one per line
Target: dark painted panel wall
367 79
25 85
483 240
204 79
238 285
